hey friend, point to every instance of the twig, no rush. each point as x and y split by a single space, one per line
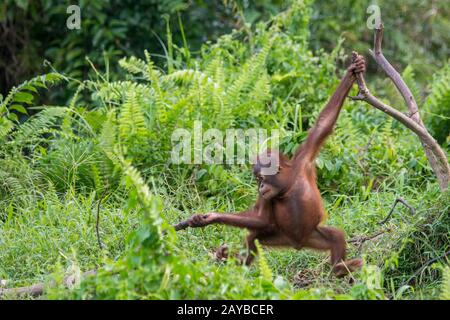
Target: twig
426 264
98 218
359 240
402 201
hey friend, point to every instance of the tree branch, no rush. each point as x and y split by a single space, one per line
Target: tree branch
359 240
435 155
404 90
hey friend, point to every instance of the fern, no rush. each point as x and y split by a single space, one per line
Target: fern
11 183
6 126
264 269
116 91
386 129
107 141
97 178
187 76
149 73
438 105
441 86
445 288
250 71
143 195
134 66
261 90
154 76
36 125
23 92
107 138
132 126
20 96
17 180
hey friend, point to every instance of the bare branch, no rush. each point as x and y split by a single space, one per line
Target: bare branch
435 155
359 240
366 96
404 90
358 97
398 200
378 39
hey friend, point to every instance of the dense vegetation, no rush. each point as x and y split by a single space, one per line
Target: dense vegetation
105 154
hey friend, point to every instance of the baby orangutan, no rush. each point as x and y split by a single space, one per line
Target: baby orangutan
289 208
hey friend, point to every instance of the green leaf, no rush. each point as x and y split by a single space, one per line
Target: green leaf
19 108
24 97
29 87
13 117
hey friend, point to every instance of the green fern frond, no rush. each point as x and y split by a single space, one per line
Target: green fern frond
133 65
132 127
437 104
116 91
6 126
135 180
153 75
264 269
11 184
445 287
440 89
212 66
251 70
37 124
98 183
386 128
188 76
107 137
23 92
261 90
20 96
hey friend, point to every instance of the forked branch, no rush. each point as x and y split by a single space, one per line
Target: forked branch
435 155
